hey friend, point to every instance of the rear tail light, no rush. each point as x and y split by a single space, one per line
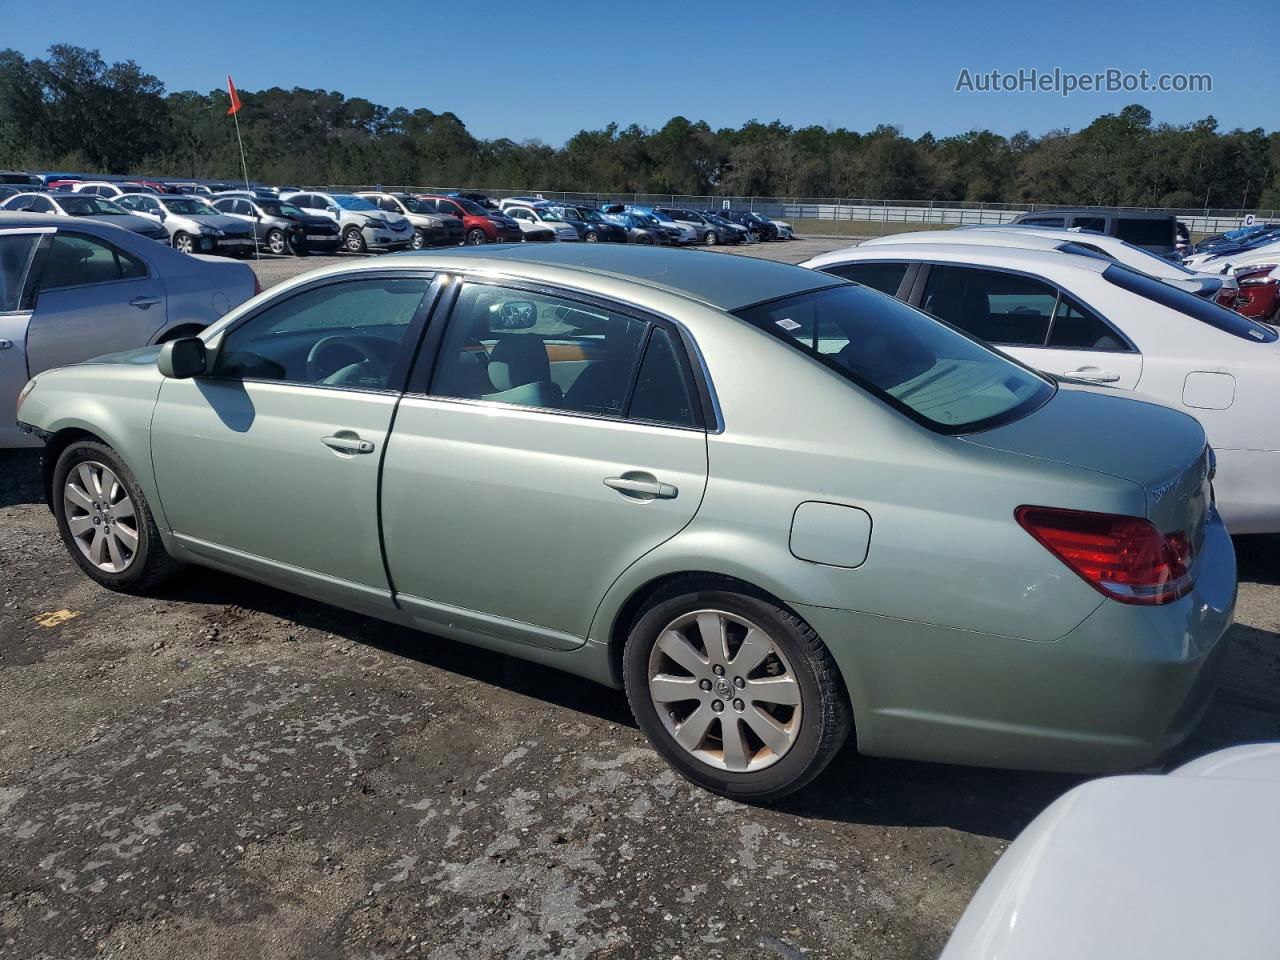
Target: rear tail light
1255 276
1124 558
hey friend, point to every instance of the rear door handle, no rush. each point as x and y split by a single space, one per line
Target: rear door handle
1093 375
347 444
143 302
641 487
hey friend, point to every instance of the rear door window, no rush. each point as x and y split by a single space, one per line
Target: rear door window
1001 308
1096 224
1078 328
16 251
885 277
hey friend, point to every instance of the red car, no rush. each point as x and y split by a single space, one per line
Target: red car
1259 295
479 225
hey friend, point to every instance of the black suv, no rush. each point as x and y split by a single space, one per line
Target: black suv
1157 232
761 228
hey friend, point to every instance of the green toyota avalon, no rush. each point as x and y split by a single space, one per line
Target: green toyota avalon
778 508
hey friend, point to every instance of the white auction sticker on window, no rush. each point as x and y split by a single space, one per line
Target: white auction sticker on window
786 323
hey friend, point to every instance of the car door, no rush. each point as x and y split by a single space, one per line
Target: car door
559 440
268 465
94 298
1033 321
17 253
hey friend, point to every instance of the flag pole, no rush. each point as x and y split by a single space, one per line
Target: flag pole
244 167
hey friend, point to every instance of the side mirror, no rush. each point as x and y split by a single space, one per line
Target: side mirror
517 315
182 359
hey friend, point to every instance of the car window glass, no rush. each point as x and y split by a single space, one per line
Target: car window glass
662 393
16 250
386 203
1042 221
1146 232
74 260
1098 224
998 307
1076 328
40 205
535 350
350 333
885 277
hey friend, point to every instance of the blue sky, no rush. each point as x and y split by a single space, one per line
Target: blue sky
546 70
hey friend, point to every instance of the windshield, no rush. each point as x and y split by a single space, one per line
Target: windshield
278 208
1206 311
591 216
87 205
187 206
471 207
551 216
349 201
919 365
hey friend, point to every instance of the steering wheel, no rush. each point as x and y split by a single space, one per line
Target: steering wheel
369 352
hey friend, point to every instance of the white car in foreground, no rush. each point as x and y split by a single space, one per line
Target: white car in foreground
1175 867
1094 320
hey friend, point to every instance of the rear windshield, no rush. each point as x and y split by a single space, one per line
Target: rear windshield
1146 233
1206 311
921 366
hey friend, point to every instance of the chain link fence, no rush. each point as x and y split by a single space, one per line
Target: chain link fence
829 216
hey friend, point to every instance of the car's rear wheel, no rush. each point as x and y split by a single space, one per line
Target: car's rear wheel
418 240
736 692
105 520
475 237
276 242
183 243
711 239
353 240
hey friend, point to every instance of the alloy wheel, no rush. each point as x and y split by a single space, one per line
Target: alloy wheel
354 242
276 242
100 516
592 238
183 243
417 242
711 238
725 691
475 237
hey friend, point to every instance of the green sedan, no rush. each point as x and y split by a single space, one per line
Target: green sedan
775 506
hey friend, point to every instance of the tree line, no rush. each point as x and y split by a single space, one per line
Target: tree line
73 111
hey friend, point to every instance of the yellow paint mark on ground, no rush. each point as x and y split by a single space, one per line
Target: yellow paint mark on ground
55 617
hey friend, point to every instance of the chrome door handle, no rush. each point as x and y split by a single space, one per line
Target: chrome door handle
6 344
347 444
1093 375
143 302
641 487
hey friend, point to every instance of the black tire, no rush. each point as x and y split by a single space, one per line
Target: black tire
353 240
711 238
418 241
151 564
183 243
826 717
277 243
476 237
592 237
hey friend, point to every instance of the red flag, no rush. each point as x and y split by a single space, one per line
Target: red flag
235 97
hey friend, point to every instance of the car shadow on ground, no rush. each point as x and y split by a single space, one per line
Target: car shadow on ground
20 478
1258 558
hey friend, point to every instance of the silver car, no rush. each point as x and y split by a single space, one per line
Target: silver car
363 225
431 228
777 507
192 224
73 289
86 205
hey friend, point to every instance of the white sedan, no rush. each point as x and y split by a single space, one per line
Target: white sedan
1090 319
1179 867
538 218
1208 285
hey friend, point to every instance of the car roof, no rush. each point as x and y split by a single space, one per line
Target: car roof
1013 258
724 282
1101 212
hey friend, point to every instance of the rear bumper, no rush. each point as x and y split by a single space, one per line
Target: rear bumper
1123 688
1247 490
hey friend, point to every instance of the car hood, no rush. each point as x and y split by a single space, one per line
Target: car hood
138 357
1159 448
129 222
221 221
1179 867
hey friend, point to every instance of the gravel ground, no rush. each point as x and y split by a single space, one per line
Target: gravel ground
228 771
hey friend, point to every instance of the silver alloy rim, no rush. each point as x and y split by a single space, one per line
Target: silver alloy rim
275 240
100 516
476 237
417 241
712 239
183 243
725 691
592 238
353 241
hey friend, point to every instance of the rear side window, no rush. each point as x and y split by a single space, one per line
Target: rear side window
663 393
75 260
1076 328
998 307
16 250
1146 233
885 277
1206 311
923 368
1042 221
1096 224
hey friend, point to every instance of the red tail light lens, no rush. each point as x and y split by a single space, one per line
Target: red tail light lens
1255 276
1124 558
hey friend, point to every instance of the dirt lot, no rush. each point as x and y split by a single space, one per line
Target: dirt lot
228 771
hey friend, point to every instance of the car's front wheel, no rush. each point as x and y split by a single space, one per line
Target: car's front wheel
276 242
592 237
105 520
418 240
739 694
475 237
353 240
711 239
183 243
